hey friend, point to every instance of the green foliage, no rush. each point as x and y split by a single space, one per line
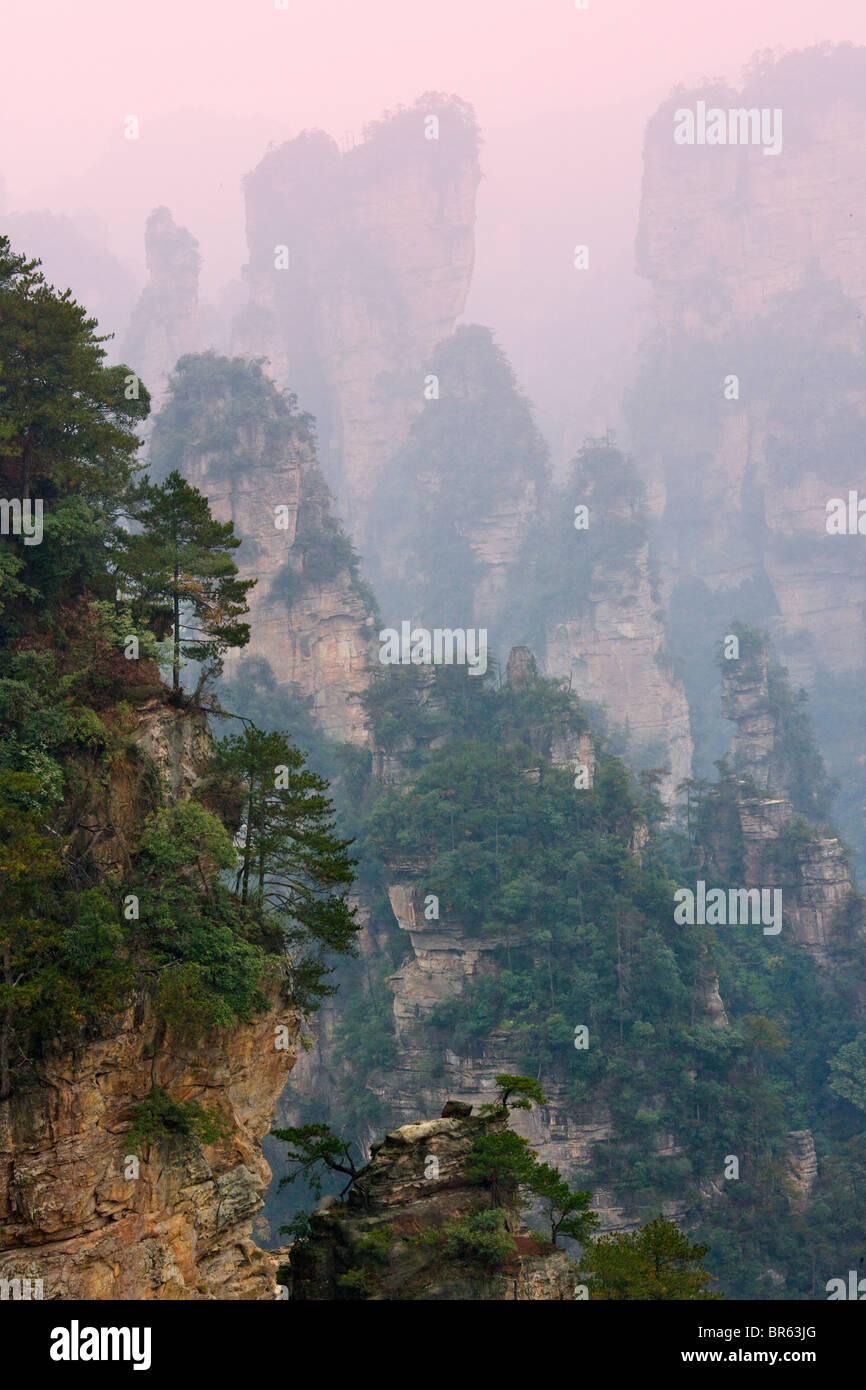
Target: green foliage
501 1161
478 437
582 932
564 569
565 1209
364 1045
214 406
478 1239
227 409
60 967
525 1088
313 1148
849 1072
655 1262
292 868
357 1283
68 429
190 932
177 568
70 955
797 767
172 1125
298 1228
376 1244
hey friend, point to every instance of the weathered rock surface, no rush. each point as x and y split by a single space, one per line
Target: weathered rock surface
758 836
75 1211
611 639
802 1167
181 1229
813 873
416 1182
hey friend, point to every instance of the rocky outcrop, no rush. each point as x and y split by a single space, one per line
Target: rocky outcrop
377 254
746 702
461 493
444 959
81 1215
753 833
382 1242
168 750
802 1171
759 844
164 325
78 1210
798 200
562 746
254 458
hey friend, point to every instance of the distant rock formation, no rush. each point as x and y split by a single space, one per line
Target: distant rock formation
164 325
359 264
459 494
231 434
746 424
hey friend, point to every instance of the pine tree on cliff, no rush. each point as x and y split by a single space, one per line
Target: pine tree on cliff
180 565
67 442
61 961
291 863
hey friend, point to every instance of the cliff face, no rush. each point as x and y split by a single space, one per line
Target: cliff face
747 425
798 200
311 621
379 248
74 1215
164 325
416 1182
812 871
77 1211
754 833
609 633
314 629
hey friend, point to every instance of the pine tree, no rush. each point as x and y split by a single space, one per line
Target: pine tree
67 439
656 1262
291 863
60 955
179 566
503 1162
566 1209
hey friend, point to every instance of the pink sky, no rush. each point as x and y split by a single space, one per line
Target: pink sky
562 96
74 70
